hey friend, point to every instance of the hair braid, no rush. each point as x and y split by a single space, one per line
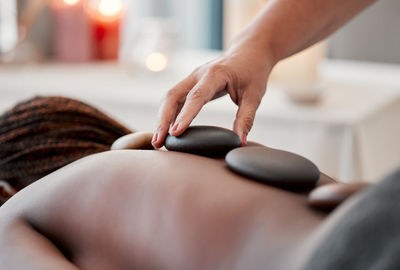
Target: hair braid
43 134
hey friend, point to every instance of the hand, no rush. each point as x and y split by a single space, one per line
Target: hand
242 73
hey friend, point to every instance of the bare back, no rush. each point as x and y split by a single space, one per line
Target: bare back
158 210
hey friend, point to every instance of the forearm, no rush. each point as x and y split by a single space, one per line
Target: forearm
285 27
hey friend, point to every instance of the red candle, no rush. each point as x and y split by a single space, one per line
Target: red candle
71 31
105 19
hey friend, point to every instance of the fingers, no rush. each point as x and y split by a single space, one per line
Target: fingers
245 117
169 108
178 110
203 92
220 94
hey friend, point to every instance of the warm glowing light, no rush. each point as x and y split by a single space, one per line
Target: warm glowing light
110 7
71 2
156 62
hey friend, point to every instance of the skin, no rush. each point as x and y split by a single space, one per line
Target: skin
283 28
135 209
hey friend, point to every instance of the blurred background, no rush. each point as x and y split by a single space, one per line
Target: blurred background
208 24
336 103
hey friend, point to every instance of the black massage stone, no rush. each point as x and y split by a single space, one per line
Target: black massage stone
206 141
273 167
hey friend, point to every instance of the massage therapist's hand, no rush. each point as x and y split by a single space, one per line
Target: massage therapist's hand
283 28
241 73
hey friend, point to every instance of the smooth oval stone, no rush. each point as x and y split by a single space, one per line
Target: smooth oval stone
249 144
273 167
206 141
328 197
137 140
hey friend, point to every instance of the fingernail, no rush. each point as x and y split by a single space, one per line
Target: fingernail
174 127
155 137
244 139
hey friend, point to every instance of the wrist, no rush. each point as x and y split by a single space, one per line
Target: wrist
255 46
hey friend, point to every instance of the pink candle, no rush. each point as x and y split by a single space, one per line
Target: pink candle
105 16
71 31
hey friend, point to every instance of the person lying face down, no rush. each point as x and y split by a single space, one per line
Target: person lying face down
101 213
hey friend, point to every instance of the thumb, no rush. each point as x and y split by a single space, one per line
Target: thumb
245 118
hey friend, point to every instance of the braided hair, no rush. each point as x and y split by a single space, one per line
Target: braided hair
43 134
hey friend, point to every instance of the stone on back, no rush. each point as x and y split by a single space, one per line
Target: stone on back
273 167
206 141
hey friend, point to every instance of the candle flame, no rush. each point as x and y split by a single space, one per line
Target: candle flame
156 62
71 2
110 7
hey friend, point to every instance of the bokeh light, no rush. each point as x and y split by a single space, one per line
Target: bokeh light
156 62
110 7
71 2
